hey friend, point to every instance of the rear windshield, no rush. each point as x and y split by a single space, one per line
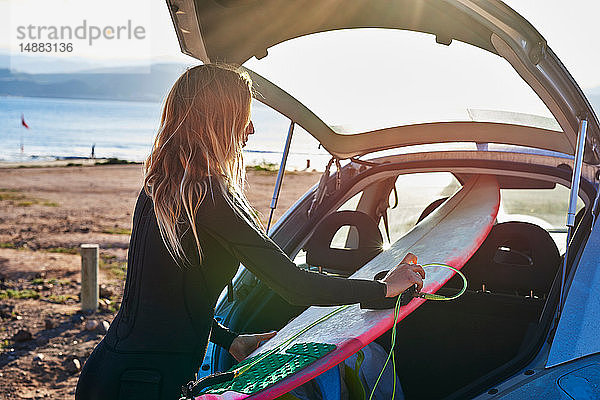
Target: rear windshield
357 80
546 208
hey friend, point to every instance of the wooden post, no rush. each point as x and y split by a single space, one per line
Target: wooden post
89 277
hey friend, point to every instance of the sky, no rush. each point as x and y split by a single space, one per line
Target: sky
419 81
571 28
160 43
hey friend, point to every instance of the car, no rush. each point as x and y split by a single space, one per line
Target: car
527 327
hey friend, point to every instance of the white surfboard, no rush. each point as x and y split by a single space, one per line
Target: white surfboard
451 234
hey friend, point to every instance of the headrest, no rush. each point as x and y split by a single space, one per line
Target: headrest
318 249
515 258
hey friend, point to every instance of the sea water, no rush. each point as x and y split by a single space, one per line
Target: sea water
68 128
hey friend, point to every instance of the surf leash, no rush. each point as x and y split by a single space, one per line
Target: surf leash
399 302
283 345
195 388
437 297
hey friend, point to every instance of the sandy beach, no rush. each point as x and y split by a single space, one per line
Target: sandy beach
46 214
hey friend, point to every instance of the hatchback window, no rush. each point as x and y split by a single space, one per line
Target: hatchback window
357 80
546 208
415 193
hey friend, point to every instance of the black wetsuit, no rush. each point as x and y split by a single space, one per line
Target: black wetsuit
158 338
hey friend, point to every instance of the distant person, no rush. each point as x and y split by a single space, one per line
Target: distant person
192 226
93 151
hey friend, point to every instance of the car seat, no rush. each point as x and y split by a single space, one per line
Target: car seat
516 258
319 252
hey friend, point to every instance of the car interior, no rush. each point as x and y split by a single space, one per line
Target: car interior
443 346
509 280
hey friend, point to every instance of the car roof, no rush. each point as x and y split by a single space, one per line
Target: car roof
235 30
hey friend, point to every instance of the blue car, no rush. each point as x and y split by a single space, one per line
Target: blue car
408 99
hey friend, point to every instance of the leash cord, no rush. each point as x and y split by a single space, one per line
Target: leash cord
199 386
283 345
430 296
426 296
239 371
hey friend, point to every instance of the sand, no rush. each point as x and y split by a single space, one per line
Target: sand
45 214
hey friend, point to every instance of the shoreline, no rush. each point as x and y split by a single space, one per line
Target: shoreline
63 162
96 162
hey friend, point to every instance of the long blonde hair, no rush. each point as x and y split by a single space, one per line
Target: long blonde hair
201 132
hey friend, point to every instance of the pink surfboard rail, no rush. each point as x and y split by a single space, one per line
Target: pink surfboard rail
451 234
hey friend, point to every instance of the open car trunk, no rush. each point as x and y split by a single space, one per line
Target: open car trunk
236 30
452 349
445 346
445 349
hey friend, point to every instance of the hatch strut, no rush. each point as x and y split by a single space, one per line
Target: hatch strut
286 151
273 205
577 164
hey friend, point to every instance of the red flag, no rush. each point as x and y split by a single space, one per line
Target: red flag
23 122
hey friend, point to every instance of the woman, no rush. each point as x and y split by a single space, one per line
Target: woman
192 226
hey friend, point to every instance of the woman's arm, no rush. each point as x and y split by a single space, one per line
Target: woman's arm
221 335
243 345
239 346
233 228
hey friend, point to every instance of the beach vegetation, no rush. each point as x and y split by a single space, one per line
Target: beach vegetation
117 269
114 307
64 250
117 231
10 195
265 166
20 200
115 161
61 298
53 281
19 294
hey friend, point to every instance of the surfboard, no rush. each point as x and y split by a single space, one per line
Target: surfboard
451 234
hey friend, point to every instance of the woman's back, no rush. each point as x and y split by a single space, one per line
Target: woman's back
158 338
167 307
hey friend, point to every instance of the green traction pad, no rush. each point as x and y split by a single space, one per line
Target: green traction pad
273 368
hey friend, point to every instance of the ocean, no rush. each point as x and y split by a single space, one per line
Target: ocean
68 128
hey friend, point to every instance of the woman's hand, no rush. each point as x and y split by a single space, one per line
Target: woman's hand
243 345
403 276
